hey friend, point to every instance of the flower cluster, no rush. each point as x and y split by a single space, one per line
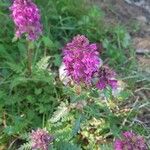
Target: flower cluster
82 63
26 17
130 141
81 59
106 78
40 139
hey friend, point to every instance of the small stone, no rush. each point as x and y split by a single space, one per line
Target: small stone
144 64
142 20
142 45
63 75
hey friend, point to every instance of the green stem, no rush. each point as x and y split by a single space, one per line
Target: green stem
45 51
29 56
43 122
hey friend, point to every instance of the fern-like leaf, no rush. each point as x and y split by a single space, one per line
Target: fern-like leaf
43 63
59 113
25 146
76 127
67 146
106 147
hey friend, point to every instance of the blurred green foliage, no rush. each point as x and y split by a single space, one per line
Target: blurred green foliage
28 102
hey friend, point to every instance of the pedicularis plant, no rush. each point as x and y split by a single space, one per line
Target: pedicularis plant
26 17
77 109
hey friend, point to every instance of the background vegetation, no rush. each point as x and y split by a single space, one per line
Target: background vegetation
41 100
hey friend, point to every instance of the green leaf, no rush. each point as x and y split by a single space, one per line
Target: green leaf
38 91
76 127
114 122
94 93
9 130
57 60
48 42
17 68
67 146
26 146
106 147
43 63
61 111
14 39
17 81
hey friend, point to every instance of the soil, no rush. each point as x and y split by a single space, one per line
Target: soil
132 13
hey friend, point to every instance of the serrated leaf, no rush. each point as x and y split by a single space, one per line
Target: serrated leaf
43 63
25 146
48 42
61 111
9 130
67 146
106 147
14 39
114 120
17 68
37 91
17 81
57 60
76 127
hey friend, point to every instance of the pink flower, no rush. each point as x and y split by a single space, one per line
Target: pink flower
106 78
26 17
81 59
118 145
130 141
40 139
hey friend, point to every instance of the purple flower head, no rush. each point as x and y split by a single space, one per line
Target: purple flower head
128 134
81 59
106 78
40 139
118 145
26 17
130 141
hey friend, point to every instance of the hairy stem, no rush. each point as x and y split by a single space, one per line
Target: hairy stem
29 57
